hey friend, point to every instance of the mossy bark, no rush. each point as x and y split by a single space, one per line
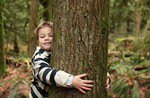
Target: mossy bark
2 50
80 44
33 24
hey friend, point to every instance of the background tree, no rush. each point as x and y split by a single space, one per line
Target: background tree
33 25
47 9
80 44
44 3
50 10
16 25
138 18
2 51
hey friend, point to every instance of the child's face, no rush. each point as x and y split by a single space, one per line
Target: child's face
45 38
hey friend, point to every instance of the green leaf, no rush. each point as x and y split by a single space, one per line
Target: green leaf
14 91
25 82
135 91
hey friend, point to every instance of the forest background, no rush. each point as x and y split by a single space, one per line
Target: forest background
128 53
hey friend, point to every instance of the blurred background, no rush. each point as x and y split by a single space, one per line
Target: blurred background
129 46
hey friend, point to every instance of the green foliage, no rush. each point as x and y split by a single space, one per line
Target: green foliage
7 70
137 45
123 16
14 91
25 82
141 45
1 83
147 42
146 63
135 59
120 87
16 20
148 93
135 90
122 11
126 84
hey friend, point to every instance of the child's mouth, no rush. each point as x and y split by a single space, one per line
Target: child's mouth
47 43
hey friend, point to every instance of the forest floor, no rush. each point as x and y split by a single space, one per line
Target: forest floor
16 82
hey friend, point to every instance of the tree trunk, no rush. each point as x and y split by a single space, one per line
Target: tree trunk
144 31
80 44
33 24
2 51
138 18
16 48
50 10
45 6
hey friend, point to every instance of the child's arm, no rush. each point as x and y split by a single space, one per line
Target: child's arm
44 73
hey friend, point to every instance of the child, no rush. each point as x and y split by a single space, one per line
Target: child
43 75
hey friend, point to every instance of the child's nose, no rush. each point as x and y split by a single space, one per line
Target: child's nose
47 38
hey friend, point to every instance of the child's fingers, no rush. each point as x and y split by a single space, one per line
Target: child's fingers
82 75
88 85
87 81
86 88
81 90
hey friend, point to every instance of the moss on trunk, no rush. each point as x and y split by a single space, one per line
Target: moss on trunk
2 51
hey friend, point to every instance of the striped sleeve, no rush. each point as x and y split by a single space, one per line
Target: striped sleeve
48 75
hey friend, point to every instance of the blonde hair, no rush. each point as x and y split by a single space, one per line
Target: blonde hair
42 25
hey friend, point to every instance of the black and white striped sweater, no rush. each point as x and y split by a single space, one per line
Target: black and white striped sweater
44 76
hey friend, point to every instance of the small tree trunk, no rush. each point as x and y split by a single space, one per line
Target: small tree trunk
138 18
50 10
2 50
45 6
80 44
144 31
33 24
16 48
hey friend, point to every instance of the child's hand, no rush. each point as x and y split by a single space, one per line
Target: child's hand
108 82
82 85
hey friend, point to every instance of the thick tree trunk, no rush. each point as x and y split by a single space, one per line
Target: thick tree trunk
2 50
33 24
80 44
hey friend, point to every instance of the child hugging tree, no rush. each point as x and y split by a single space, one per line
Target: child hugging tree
43 74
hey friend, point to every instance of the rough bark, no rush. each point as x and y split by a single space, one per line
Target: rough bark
80 44
33 25
2 51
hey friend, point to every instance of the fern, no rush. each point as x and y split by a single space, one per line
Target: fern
120 87
14 91
135 91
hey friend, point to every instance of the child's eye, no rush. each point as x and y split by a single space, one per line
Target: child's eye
42 36
50 35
